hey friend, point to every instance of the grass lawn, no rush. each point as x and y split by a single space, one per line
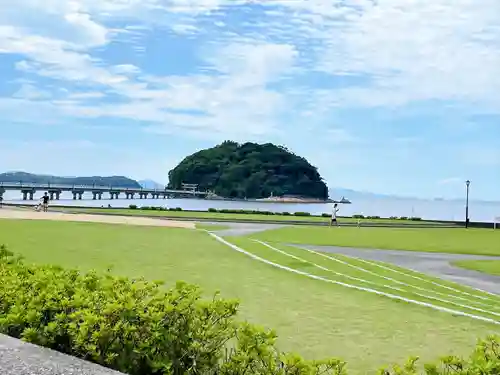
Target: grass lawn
491 267
225 216
312 317
443 240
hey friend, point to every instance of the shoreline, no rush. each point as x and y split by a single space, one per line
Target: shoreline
278 218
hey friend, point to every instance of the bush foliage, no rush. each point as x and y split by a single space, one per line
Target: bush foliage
139 328
269 213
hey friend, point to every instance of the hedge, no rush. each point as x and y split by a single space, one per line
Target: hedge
258 212
140 328
137 327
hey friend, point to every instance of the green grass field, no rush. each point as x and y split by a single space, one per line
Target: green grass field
312 317
491 267
444 240
245 217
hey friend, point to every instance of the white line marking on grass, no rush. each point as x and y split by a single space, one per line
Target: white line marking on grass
373 291
400 282
427 281
376 284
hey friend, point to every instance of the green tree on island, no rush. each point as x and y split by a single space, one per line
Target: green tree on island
249 170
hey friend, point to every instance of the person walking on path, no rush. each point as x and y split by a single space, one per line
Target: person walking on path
334 215
45 202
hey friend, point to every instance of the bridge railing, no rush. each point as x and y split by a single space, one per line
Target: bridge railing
48 186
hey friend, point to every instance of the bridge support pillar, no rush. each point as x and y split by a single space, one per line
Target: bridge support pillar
77 195
28 194
58 195
51 194
96 195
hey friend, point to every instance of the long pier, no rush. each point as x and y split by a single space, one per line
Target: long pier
28 191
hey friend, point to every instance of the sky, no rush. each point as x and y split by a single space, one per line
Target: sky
387 96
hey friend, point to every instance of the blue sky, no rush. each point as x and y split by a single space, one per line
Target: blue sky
388 96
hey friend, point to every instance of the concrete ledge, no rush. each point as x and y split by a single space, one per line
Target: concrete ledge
20 358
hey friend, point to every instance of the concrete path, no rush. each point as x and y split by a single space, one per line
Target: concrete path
243 229
433 264
20 358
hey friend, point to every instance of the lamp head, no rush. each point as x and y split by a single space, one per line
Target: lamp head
467 182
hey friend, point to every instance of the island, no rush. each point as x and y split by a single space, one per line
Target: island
250 171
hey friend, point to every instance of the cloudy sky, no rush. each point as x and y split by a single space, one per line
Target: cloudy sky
389 96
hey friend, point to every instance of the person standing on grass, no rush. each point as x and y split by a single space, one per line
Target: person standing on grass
334 215
45 202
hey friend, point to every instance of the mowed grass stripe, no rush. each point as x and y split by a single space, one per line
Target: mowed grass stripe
388 288
348 266
305 269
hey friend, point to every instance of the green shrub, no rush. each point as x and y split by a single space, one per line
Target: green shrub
484 360
393 218
415 218
403 218
146 208
153 208
135 326
325 215
358 216
133 207
212 210
373 217
286 213
302 214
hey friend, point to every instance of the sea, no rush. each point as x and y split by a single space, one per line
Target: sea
384 207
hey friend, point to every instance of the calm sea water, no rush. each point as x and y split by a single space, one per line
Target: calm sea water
384 207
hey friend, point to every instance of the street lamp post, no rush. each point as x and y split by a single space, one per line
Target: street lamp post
467 184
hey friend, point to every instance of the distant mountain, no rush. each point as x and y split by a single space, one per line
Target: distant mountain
150 184
116 181
337 193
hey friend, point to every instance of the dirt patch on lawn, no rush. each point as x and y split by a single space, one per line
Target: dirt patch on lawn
27 214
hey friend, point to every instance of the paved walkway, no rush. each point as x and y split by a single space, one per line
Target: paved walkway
433 264
244 229
20 358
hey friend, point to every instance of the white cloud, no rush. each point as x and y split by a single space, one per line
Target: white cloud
408 50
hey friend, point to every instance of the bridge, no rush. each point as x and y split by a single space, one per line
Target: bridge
28 191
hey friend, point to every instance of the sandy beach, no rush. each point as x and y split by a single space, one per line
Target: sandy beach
30 214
